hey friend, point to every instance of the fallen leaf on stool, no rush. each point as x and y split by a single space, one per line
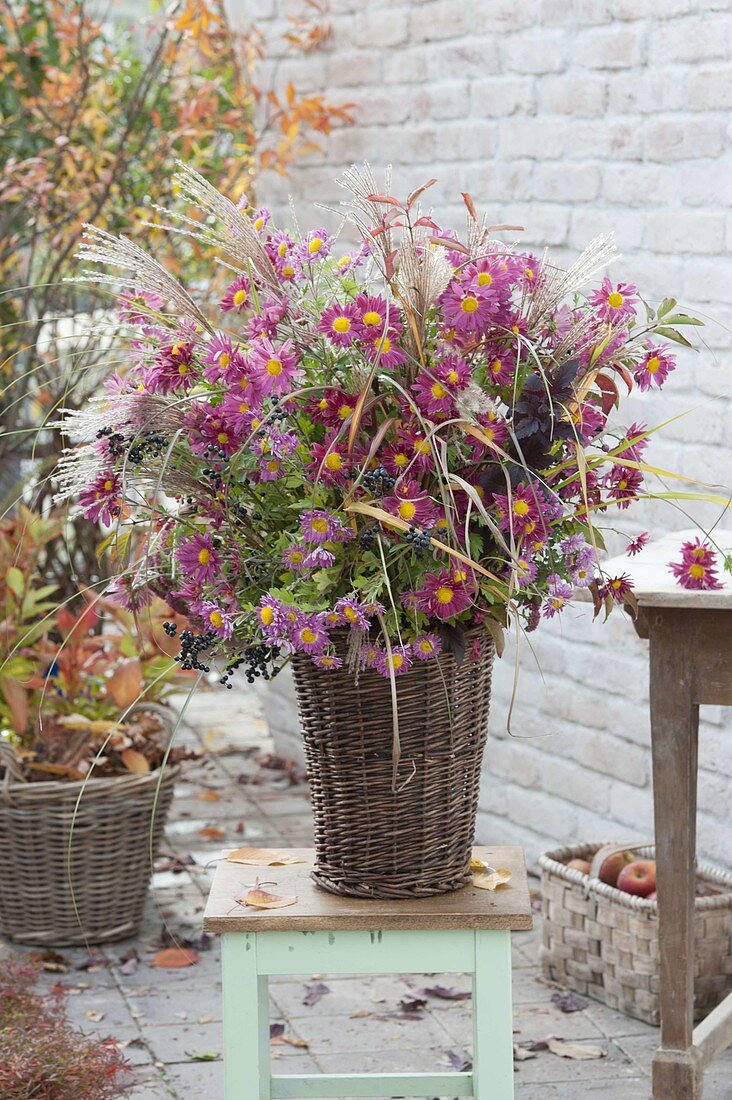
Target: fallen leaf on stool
521 1054
492 878
172 958
478 866
263 857
578 1051
257 898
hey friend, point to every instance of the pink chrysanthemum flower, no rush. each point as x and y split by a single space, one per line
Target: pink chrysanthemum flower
347 263
271 468
445 594
173 367
636 544
697 568
600 344
410 502
340 323
370 654
236 296
417 449
198 559
136 306
623 484
560 593
353 612
501 369
211 430
375 314
316 246
467 308
433 395
265 321
495 428
655 367
217 618
490 275
339 405
589 421
273 619
274 368
222 358
616 587
384 350
426 646
308 635
521 513
615 301
237 411
635 442
524 571
319 558
317 525
526 270
331 462
294 557
101 501
395 663
327 660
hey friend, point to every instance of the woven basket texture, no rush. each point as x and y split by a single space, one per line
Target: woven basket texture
603 943
375 838
103 865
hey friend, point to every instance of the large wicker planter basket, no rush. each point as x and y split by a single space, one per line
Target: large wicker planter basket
79 875
603 943
374 837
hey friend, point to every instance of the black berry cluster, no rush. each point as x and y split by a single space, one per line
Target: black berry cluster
419 539
192 645
367 538
379 482
258 660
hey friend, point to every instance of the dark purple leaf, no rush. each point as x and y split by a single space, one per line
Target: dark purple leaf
446 993
537 1044
459 1060
410 1008
276 1030
314 992
91 961
129 963
569 1002
453 640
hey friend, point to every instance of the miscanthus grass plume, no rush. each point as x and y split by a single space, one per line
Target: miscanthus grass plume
397 441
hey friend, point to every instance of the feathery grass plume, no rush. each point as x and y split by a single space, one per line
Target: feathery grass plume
559 284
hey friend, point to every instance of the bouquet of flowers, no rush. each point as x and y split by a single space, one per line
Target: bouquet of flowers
393 443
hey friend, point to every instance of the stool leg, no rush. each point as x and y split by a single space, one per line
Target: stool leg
246 1020
492 1017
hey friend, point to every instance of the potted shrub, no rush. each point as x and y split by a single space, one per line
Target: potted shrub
83 743
372 463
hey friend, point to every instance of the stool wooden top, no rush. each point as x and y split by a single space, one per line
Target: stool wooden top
509 907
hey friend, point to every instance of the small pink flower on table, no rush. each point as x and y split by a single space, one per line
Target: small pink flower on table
697 568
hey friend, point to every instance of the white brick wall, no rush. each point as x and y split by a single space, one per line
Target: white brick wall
569 117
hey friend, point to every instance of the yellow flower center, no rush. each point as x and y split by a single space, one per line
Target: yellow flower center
622 484
184 369
615 299
320 525
240 297
520 507
453 377
496 366
438 391
288 271
282 249
460 575
224 360
444 594
266 616
696 571
308 636
421 447
529 273
255 423
698 553
222 437
296 557
258 223
334 461
342 324
406 509
469 304
109 485
396 660
273 465
344 411
204 556
274 367
315 245
616 583
216 619
344 260
653 364
350 614
385 346
485 278
426 646
371 318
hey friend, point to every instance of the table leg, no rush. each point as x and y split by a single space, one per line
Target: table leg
492 1017
677 1070
246 1020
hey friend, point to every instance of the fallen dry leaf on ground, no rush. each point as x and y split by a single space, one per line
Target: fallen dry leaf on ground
172 958
478 866
521 1054
256 898
314 992
134 761
209 796
569 1002
446 993
492 878
211 832
263 857
578 1051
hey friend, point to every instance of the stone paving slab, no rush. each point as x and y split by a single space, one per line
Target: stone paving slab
160 1017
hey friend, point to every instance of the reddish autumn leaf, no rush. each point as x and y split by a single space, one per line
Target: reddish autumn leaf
414 195
388 199
174 958
211 832
209 796
125 683
467 199
256 898
134 761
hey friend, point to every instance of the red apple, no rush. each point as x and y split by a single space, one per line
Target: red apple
582 865
611 867
638 877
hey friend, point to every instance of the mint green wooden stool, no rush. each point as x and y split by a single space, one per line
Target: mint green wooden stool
467 931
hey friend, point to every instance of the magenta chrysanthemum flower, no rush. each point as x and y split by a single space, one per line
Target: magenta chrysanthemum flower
384 350
317 525
636 544
236 296
697 568
273 619
340 323
433 395
331 462
319 558
265 321
294 557
466 307
411 503
655 367
316 246
526 270
308 635
274 368
521 512
222 358
501 369
347 263
395 663
445 594
370 654
136 306
426 646
101 501
490 275
524 571
353 612
375 314
217 619
209 429
198 559
260 219
635 442
623 485
617 588
559 595
271 468
327 660
615 301
173 367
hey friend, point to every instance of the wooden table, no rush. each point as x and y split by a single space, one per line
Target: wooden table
466 931
690 634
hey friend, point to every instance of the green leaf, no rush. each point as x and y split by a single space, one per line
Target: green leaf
666 306
672 334
15 581
682 319
203 1055
128 645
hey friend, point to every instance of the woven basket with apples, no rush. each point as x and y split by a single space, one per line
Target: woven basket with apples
600 927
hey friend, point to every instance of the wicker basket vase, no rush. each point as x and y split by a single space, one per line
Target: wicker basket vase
603 943
78 875
373 837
